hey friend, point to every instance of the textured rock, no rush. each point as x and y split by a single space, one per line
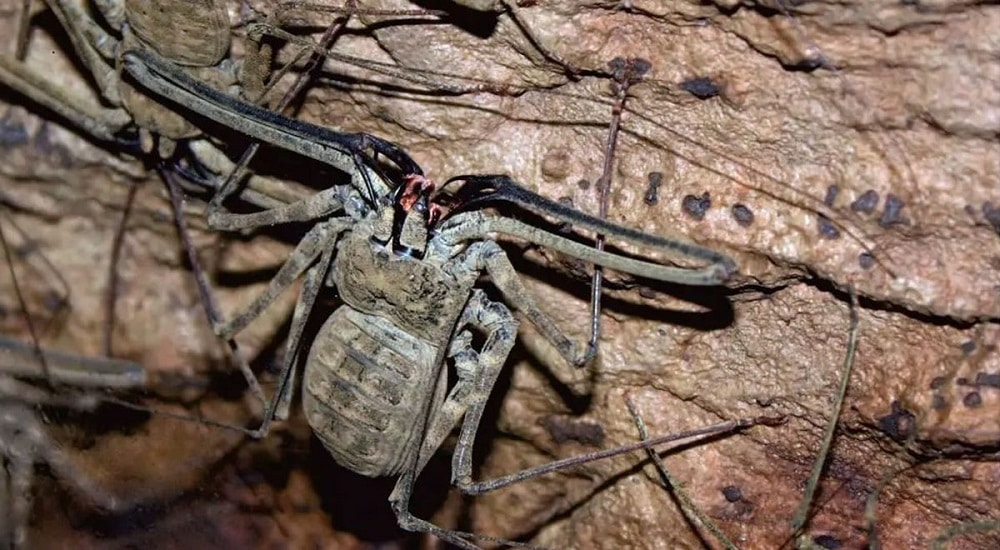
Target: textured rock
912 112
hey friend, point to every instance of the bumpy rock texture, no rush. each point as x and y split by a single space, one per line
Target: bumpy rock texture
860 138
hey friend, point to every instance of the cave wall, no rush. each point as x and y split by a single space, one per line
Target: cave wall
896 98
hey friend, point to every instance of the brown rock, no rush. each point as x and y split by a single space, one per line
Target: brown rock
911 110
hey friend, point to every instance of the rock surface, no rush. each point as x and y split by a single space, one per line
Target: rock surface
743 103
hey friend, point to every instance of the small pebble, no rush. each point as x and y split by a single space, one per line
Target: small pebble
827 229
732 493
899 424
891 213
12 133
53 301
742 215
866 203
972 400
827 541
992 215
831 195
968 347
702 87
990 379
695 207
653 189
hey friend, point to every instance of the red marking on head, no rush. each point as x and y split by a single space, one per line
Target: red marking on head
437 211
415 186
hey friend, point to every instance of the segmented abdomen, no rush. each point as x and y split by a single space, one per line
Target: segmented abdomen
365 391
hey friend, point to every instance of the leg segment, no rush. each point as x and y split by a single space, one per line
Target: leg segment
321 237
477 374
99 122
489 256
6 527
303 307
319 241
315 207
92 45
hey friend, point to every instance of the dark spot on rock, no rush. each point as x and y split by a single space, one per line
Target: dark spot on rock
640 66
938 382
866 203
990 379
653 189
827 229
701 87
12 132
42 142
631 68
53 301
992 216
161 217
972 400
806 64
938 402
891 212
829 542
695 207
25 249
583 184
627 71
899 424
732 493
968 347
866 260
384 114
962 381
562 429
831 195
742 215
